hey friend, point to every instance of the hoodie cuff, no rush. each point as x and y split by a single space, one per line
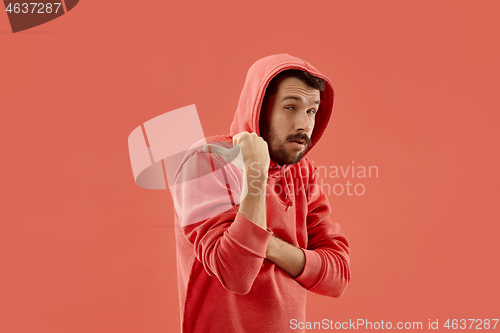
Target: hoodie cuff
313 270
249 235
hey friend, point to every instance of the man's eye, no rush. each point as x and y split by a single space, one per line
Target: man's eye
311 111
289 107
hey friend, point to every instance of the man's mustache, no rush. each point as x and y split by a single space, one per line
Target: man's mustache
300 136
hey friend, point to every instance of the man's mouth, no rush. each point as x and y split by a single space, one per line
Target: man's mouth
298 143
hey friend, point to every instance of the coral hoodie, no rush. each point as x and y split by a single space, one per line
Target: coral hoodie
225 282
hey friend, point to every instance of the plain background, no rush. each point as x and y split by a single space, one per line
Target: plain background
83 249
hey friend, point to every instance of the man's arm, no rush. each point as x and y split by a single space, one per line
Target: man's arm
229 241
253 206
255 164
323 267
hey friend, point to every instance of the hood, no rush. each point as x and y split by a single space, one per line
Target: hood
247 114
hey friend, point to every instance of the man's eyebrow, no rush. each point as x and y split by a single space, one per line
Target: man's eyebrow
296 98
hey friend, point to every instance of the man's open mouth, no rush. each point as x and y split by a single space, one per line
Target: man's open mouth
301 142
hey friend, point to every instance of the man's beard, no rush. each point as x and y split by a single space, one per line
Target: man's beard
278 152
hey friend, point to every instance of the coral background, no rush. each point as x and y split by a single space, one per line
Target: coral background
83 249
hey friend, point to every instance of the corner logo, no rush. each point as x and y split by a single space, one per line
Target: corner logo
26 15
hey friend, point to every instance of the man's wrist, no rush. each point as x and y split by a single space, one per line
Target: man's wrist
256 185
271 244
256 175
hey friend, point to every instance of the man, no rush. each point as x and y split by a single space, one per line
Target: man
245 262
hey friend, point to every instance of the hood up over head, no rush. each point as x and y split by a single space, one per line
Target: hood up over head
259 75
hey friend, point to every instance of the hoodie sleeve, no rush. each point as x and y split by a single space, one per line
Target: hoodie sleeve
326 269
230 247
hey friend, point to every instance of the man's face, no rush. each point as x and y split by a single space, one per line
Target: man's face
287 120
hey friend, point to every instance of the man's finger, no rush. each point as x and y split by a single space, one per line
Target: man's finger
238 136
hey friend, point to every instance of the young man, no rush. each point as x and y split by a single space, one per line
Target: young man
246 266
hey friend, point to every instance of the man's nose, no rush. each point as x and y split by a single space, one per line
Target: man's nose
303 122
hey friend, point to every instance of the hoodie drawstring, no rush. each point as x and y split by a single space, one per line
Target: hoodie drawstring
289 201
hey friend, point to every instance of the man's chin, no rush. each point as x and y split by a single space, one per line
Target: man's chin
288 158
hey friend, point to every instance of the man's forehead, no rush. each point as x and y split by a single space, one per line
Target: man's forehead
292 97
292 88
